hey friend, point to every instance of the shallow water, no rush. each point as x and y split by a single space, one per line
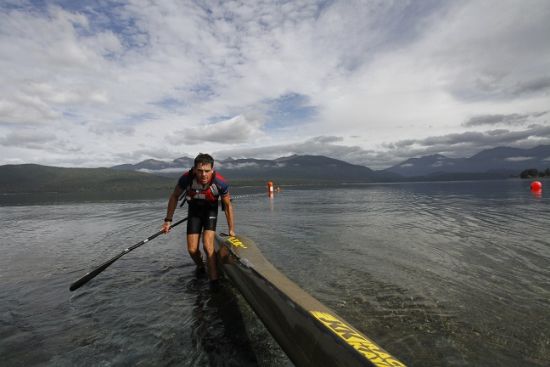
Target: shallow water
447 274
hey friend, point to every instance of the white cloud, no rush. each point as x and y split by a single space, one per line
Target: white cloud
238 129
163 170
27 138
240 165
119 81
518 159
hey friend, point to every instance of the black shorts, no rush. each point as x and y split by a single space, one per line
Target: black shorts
201 217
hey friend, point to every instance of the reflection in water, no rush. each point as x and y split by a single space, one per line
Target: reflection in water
218 328
271 203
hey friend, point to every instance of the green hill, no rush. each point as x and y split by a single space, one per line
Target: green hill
33 178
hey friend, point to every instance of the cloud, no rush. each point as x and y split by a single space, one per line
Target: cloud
27 139
518 159
39 141
163 170
468 143
112 129
485 50
511 119
489 138
238 129
314 146
118 79
232 165
326 139
532 86
452 145
496 119
51 66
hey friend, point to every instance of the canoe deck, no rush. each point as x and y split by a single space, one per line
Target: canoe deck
309 332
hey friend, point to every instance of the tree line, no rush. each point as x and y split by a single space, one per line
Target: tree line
534 173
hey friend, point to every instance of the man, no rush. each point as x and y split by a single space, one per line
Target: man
203 186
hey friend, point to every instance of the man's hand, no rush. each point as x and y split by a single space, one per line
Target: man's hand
232 233
166 227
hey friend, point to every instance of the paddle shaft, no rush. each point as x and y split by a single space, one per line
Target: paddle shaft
92 274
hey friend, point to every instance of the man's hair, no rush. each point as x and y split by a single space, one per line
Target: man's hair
204 158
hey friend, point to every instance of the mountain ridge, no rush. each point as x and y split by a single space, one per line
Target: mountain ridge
153 174
34 178
286 169
502 161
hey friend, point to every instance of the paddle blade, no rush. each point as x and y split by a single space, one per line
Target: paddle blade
86 278
89 276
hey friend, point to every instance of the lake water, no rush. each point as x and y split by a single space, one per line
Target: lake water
439 274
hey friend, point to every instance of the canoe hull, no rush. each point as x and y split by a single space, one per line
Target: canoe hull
310 333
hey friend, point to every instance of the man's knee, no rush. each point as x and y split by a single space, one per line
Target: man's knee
193 243
193 250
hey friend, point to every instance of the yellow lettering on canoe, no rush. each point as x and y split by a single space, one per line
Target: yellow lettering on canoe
358 341
236 242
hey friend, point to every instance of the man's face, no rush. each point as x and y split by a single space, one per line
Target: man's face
203 172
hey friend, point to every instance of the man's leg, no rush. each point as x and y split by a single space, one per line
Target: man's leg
193 248
208 243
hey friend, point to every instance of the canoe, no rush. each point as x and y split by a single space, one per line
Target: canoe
310 333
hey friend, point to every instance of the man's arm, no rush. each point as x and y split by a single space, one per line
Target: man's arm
172 203
229 213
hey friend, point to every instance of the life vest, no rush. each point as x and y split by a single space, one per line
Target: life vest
195 190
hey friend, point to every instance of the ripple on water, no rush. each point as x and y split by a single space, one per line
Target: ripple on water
450 274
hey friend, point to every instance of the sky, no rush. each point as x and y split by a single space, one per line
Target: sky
100 83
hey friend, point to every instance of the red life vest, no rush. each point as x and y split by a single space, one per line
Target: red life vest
196 191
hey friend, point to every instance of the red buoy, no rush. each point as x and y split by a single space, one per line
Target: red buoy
536 186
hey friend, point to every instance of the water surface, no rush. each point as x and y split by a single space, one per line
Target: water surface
447 274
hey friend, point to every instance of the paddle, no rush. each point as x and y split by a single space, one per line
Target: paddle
92 274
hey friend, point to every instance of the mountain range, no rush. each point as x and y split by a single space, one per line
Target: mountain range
159 176
34 178
498 162
287 169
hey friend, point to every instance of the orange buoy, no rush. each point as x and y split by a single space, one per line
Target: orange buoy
536 186
270 188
